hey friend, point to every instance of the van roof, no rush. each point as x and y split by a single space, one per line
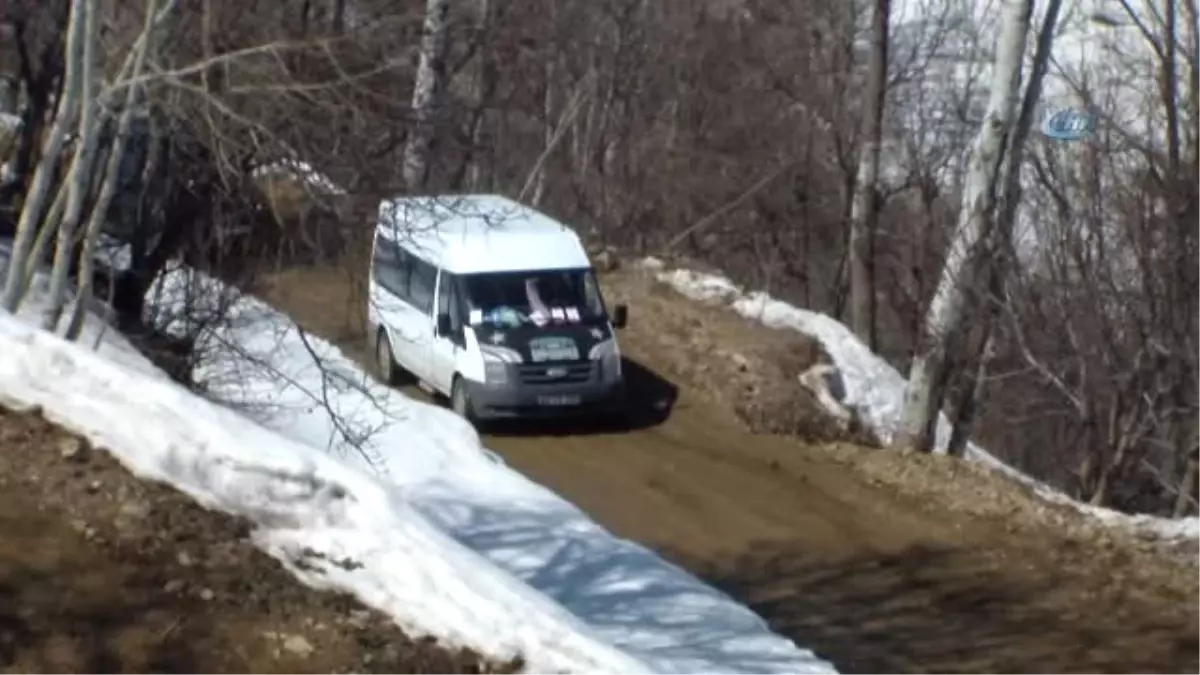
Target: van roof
464 234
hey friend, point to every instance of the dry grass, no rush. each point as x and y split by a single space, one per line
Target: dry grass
329 301
285 195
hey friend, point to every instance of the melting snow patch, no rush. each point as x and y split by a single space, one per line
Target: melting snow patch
302 170
334 467
312 511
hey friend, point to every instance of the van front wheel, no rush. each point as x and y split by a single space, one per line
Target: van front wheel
460 400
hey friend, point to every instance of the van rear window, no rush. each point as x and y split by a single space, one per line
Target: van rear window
404 275
389 269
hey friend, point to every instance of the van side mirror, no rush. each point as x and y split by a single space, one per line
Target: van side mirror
620 316
443 325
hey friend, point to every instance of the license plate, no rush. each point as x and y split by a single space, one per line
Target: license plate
559 399
553 349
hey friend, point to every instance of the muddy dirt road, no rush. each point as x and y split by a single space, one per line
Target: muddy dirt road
870 580
874 574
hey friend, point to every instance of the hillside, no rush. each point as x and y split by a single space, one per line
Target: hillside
101 571
400 525
913 358
856 552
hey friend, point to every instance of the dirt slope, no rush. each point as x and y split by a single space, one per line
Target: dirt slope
880 562
101 572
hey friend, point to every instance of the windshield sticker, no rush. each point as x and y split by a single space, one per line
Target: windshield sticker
558 314
573 314
553 349
475 317
504 317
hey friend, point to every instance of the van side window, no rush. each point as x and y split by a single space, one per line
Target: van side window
421 283
591 294
448 302
445 291
391 272
457 317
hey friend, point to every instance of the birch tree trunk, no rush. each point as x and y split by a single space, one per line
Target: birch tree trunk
43 176
78 182
923 396
33 260
112 170
864 210
427 95
998 259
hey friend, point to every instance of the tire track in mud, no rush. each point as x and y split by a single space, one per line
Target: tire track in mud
685 487
866 578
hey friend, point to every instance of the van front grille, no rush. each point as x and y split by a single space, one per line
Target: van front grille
568 373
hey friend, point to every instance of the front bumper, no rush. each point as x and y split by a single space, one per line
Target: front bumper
529 392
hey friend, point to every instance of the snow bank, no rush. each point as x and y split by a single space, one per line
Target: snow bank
96 334
875 390
433 464
302 170
309 507
357 471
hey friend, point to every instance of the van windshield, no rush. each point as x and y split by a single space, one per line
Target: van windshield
542 297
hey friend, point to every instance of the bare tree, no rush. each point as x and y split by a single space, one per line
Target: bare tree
926 380
108 186
428 92
997 260
78 179
865 212
1102 320
43 177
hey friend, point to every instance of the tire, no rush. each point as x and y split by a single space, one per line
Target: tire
385 362
460 400
617 413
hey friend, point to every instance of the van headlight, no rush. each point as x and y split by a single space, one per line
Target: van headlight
495 372
610 360
610 366
496 362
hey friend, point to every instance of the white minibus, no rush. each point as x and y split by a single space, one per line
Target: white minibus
494 305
